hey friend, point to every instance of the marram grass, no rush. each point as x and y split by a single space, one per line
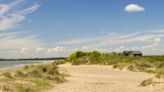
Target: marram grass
34 78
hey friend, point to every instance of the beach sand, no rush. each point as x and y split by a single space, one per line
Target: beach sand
96 78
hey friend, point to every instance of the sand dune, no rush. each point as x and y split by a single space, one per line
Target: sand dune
95 78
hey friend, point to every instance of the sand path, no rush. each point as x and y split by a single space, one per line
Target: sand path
95 78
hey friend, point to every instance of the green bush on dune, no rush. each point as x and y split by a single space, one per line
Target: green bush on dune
151 64
80 57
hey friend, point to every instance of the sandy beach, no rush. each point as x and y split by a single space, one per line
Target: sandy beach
96 78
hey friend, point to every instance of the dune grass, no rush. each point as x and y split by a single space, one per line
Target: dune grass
33 78
150 64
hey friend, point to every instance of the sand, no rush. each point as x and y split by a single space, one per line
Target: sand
96 78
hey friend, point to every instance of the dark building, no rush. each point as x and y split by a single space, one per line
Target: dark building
132 53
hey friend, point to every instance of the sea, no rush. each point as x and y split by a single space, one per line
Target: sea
10 64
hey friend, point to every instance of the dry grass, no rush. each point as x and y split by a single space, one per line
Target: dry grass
34 78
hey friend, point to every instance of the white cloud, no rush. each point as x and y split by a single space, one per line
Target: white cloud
40 49
17 41
3 9
134 8
28 10
58 49
10 22
10 17
24 50
30 47
112 42
157 39
148 43
85 48
40 52
150 46
112 39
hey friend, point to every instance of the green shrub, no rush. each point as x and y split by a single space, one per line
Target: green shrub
76 55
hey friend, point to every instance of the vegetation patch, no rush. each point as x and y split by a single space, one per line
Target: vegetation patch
147 82
34 78
151 64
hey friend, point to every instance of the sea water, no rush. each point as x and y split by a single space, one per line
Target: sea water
9 64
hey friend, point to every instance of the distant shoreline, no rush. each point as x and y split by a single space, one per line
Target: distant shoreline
22 65
26 59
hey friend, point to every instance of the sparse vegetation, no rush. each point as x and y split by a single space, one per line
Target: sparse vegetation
160 74
147 82
32 78
7 75
150 64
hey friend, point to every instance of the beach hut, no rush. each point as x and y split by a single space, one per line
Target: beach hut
132 53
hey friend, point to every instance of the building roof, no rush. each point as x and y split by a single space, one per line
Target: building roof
133 52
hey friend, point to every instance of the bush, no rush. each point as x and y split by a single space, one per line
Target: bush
76 55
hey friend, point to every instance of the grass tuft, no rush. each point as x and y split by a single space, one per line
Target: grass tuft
7 75
147 82
34 78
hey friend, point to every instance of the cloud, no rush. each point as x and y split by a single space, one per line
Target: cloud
56 51
3 9
17 45
152 45
11 21
10 16
28 10
134 8
144 41
111 39
16 40
157 39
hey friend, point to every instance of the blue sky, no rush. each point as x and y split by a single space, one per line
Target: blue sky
48 28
